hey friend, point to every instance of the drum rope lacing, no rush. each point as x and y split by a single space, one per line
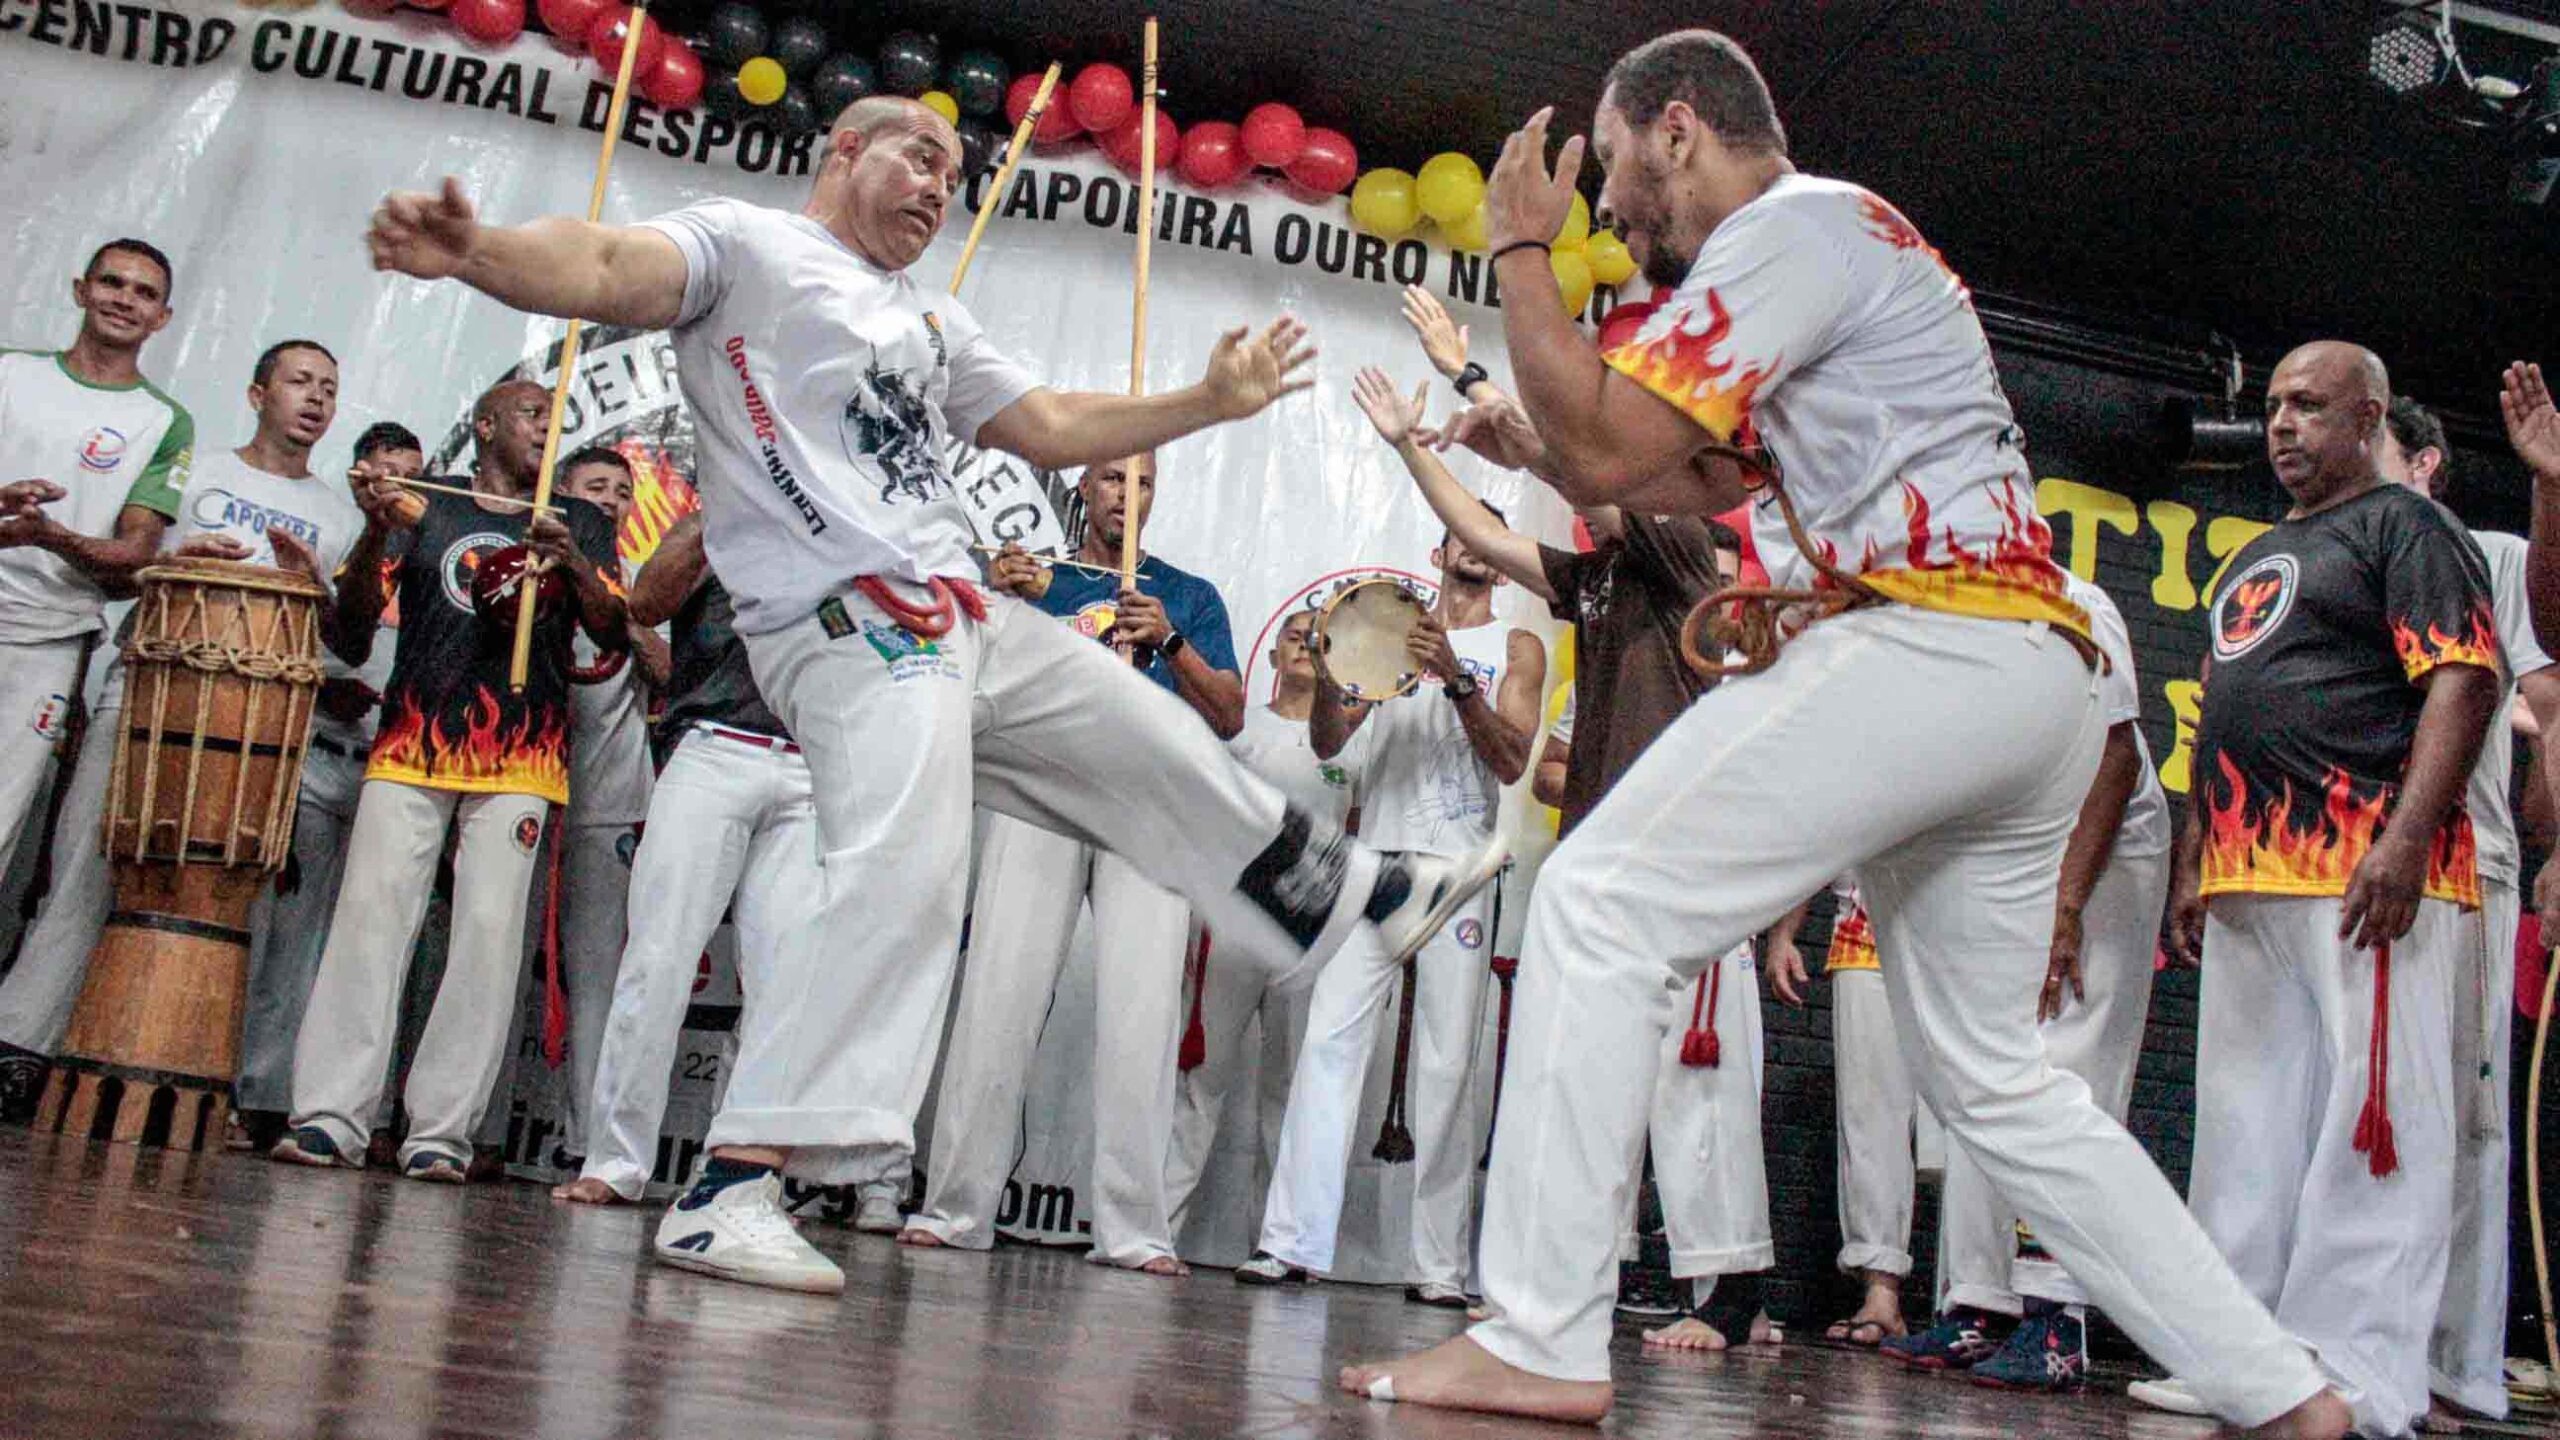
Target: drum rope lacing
218 656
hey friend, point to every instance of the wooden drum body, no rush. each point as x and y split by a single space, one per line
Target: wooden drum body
222 669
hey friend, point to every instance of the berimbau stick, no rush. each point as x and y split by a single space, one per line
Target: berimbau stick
2533 1161
1004 174
1138 318
523 655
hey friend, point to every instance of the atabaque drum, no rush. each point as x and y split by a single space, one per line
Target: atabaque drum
222 669
1361 634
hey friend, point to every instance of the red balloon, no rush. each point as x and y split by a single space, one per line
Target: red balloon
604 41
1212 155
1623 321
677 82
1121 147
491 22
1273 135
1102 97
426 4
570 20
1326 164
1057 123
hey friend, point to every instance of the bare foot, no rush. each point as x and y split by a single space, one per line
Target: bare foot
1765 1331
1165 1265
2322 1417
1686 1333
920 1238
2445 1417
587 1190
1459 1374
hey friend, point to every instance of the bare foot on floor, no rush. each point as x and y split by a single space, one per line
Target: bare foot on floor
586 1190
921 1239
2322 1417
1459 1374
1165 1265
1692 1333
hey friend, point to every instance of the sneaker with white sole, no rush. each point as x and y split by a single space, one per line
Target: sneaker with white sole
739 1232
2168 1393
1416 894
878 1212
311 1145
433 1166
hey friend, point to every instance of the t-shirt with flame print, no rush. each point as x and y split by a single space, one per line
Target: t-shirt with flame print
1853 935
2320 630
449 720
1817 326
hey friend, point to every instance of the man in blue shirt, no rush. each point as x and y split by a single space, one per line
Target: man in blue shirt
1031 884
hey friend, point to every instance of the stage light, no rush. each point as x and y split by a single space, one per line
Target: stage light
2194 434
2408 56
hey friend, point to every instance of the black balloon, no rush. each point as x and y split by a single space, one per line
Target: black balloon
721 96
980 144
909 62
799 43
845 78
796 113
736 35
977 81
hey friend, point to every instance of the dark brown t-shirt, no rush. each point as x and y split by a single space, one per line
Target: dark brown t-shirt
1626 602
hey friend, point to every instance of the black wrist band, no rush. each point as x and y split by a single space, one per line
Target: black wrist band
1523 245
1461 689
1171 645
1469 376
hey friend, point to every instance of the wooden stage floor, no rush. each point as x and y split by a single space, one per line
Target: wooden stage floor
149 1295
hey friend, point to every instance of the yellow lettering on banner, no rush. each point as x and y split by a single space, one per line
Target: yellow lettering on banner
2186 703
2172 588
2224 537
2089 507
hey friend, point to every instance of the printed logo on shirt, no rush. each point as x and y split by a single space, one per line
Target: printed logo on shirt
462 561
51 717
768 439
1470 933
1095 620
102 449
2251 607
908 657
1334 775
219 509
889 423
941 351
528 833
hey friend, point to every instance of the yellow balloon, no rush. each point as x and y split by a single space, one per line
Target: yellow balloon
1608 258
1577 225
1573 276
1383 203
1468 233
762 80
941 103
1449 186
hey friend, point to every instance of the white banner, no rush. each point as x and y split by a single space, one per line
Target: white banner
251 145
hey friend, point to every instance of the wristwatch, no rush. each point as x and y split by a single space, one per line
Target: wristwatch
1467 377
1171 645
1462 689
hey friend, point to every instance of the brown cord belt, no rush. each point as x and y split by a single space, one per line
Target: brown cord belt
1758 620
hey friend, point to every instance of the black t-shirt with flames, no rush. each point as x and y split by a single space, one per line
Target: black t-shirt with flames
2321 629
449 721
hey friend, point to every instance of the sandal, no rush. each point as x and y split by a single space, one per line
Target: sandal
1851 1333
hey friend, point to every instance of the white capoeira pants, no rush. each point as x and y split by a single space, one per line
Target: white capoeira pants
1876 1169
2466 1357
1031 884
1708 1165
1352 1011
1770 785
728 817
595 896
290 931
2099 1040
350 1025
1233 992
1033 721
36 681
41 991
2351 1263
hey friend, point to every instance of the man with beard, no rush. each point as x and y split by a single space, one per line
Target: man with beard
1031 884
459 750
261 504
1810 317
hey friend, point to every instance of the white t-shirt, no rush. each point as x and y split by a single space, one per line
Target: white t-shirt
1818 322
110 446
2493 821
825 393
2145 829
1425 790
609 770
231 497
1283 751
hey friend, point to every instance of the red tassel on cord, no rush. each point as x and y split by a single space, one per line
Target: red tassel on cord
555 996
2373 1127
1195 1036
1699 1049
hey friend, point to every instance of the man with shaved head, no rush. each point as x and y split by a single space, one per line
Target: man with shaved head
2323 879
828 387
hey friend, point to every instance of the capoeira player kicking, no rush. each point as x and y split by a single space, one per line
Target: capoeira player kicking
827 384
1935 737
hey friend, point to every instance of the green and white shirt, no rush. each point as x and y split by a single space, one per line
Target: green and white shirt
108 445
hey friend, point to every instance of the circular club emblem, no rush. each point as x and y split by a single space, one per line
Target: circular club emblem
1470 934
2251 607
528 833
461 564
102 449
1095 620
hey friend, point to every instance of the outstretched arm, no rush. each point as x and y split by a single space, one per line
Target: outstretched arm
615 274
1057 429
1483 532
108 560
2533 428
674 568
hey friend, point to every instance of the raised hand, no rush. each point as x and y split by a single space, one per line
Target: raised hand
1140 620
1444 341
1247 374
1393 414
294 555
384 500
548 537
213 546
428 236
23 497
1429 649
1523 199
1017 571
1498 430
2533 426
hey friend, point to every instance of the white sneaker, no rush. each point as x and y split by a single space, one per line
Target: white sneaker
879 1213
741 1233
1437 888
2170 1394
